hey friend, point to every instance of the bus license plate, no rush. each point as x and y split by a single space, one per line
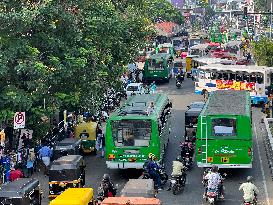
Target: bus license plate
224 159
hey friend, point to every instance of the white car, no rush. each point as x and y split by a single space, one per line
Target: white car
134 88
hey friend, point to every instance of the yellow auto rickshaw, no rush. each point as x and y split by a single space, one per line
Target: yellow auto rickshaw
189 62
75 196
87 132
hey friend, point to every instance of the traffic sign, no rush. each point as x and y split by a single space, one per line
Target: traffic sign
19 120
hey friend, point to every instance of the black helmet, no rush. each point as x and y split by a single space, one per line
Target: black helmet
249 179
214 168
179 158
106 177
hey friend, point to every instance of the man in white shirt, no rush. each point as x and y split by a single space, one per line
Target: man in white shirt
249 189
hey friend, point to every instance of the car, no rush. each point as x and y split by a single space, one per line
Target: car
196 105
134 89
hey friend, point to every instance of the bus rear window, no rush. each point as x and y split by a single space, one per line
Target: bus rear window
131 133
224 127
156 65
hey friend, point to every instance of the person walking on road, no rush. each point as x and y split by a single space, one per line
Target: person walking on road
44 154
153 87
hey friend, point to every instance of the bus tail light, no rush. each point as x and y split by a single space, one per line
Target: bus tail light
249 151
199 150
111 157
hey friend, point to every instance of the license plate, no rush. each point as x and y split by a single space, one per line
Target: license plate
224 159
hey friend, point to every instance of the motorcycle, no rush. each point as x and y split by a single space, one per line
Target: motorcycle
177 183
254 202
101 195
214 195
187 161
162 173
178 84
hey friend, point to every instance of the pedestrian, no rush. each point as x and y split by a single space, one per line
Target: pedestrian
9 133
44 154
102 145
15 173
30 162
140 76
98 140
153 87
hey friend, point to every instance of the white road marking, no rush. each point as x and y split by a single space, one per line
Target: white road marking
261 166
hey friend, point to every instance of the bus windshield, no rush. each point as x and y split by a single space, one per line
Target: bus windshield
177 42
131 133
223 127
156 65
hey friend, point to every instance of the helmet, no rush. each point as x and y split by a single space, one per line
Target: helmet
151 156
179 158
106 177
214 168
249 179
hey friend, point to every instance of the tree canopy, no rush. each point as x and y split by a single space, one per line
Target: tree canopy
263 52
58 55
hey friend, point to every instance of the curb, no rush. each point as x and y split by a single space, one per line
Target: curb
268 144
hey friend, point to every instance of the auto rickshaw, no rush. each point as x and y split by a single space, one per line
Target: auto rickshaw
75 196
189 62
139 188
87 132
24 191
68 146
66 172
131 201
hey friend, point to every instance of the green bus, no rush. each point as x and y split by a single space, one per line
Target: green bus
135 130
158 67
224 131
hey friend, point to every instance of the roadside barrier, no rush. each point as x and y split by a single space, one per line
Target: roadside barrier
268 144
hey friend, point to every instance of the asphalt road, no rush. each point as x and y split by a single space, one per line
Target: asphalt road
192 195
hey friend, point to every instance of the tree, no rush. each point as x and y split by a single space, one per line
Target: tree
263 52
64 52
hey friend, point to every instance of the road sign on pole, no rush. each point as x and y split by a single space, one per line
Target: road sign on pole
19 120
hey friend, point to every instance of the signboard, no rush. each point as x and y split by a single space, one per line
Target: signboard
19 120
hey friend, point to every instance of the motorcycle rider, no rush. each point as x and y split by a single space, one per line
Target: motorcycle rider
106 188
152 168
178 170
186 147
250 190
179 78
214 180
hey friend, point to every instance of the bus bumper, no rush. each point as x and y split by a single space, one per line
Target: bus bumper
258 100
225 166
124 165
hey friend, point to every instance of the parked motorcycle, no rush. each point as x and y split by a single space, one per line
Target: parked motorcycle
177 183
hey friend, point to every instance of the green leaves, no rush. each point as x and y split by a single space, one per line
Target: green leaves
263 52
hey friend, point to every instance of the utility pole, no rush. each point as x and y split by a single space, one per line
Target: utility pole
270 20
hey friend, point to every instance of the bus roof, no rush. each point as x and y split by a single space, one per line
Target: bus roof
137 105
236 68
160 56
209 61
200 46
227 102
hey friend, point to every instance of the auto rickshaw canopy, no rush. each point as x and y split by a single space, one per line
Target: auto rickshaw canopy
88 128
130 201
74 196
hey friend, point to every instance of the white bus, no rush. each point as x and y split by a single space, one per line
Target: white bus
235 77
